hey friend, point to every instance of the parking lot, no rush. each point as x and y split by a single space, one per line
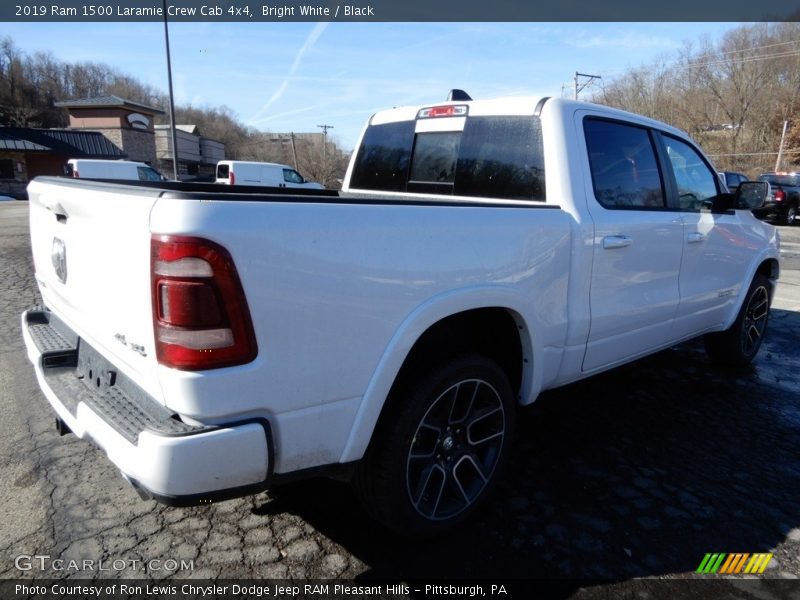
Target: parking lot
638 472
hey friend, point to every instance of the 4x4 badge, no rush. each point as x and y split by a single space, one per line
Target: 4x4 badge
59 258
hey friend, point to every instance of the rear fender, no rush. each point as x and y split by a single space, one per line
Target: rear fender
412 328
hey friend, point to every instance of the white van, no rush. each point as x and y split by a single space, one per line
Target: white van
239 172
112 169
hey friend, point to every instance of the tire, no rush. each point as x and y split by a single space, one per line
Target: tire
441 448
791 214
739 344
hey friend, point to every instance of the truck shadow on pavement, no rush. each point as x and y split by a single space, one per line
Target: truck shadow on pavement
637 472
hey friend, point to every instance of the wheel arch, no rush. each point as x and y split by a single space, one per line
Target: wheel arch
492 315
767 265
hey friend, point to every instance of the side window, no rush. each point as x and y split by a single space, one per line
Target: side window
148 174
623 164
292 176
697 184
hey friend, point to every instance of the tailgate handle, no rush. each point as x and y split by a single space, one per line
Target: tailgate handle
58 211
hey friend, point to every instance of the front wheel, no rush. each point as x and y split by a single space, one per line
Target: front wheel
739 344
441 448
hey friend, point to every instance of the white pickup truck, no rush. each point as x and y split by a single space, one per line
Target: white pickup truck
214 341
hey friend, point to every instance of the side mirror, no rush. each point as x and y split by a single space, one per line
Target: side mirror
751 194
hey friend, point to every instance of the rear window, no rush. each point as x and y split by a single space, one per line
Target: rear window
501 157
494 157
435 156
384 156
222 171
790 180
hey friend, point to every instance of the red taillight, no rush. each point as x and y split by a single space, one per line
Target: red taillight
780 195
231 178
200 314
75 173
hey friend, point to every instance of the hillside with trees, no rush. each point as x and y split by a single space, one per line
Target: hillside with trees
732 96
31 84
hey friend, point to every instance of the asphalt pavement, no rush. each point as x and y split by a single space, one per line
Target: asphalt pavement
622 480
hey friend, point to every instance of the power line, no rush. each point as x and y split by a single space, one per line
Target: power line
677 65
754 153
747 59
762 47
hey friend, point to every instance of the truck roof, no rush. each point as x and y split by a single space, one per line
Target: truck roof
515 105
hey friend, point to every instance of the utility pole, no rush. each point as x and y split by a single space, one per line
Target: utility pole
171 100
780 149
578 87
325 152
294 152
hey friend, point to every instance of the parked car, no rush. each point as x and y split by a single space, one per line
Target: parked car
782 203
480 253
239 172
89 168
732 179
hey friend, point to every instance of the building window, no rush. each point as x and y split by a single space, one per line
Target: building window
6 168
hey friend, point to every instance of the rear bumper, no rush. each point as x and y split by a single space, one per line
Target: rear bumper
164 458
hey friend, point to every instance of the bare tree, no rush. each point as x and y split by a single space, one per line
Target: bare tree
732 96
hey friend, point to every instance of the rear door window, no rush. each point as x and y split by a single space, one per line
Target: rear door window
623 165
222 171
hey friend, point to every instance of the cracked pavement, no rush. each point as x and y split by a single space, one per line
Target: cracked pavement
637 472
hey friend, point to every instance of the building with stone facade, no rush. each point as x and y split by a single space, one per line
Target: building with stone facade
107 127
130 126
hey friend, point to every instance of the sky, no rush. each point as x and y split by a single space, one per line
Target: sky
282 77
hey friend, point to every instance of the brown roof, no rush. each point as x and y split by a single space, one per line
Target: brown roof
108 102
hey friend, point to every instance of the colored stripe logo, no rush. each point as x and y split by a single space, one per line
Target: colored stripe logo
734 564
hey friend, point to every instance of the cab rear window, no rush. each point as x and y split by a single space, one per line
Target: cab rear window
494 157
384 156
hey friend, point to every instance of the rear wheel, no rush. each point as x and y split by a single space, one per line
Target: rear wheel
791 215
438 455
739 344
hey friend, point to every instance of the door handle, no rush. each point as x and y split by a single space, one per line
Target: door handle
616 241
695 236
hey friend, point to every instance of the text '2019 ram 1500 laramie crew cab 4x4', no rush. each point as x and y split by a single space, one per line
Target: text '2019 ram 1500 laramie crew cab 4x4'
213 340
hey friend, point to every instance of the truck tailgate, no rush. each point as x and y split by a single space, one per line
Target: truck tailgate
91 252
